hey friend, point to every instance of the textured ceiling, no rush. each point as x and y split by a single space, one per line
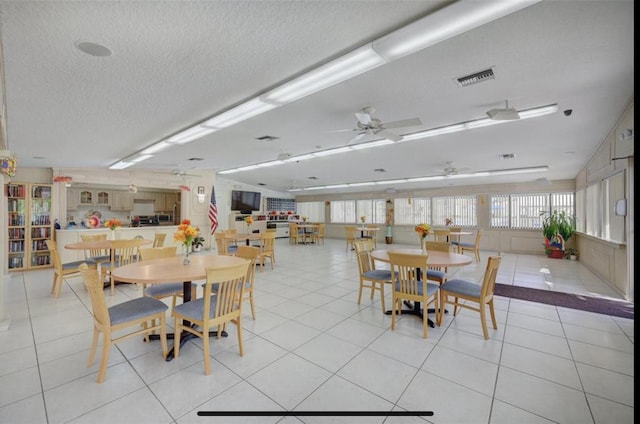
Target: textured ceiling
177 63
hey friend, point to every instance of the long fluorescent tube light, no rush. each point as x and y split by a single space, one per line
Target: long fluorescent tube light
239 113
155 148
543 168
121 165
348 66
140 158
460 17
190 134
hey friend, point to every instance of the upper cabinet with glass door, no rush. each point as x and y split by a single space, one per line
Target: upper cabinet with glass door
94 198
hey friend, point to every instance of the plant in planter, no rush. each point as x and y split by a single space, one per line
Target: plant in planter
197 243
557 228
571 253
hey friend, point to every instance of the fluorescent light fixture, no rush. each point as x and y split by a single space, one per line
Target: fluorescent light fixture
239 113
331 151
139 158
434 132
479 123
301 157
268 164
538 111
430 178
155 148
190 134
348 66
370 144
461 16
120 165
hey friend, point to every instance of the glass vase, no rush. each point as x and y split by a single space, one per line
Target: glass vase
187 258
423 245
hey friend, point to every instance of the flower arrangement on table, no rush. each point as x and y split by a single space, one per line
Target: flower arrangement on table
304 218
113 223
186 233
198 241
363 219
248 220
423 230
448 221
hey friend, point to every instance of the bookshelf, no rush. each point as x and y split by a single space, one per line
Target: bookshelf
29 225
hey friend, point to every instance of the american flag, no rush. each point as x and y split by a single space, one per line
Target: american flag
213 211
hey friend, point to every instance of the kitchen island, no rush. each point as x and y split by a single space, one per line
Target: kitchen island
69 236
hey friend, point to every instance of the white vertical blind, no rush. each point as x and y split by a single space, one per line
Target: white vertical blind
313 210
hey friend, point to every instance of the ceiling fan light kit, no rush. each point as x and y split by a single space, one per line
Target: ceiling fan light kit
506 114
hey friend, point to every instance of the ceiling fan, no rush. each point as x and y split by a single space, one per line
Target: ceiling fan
450 169
178 173
367 125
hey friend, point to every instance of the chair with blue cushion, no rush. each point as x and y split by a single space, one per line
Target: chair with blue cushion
473 247
163 290
409 285
111 321
62 270
96 256
473 296
370 277
213 310
437 274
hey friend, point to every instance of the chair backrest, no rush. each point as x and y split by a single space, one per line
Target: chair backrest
441 234
365 262
94 285
365 244
406 269
455 229
478 234
149 253
252 253
95 252
271 230
126 251
52 246
158 239
320 230
490 275
221 243
267 241
351 233
229 281
439 246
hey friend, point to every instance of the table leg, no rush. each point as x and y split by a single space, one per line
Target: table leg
415 309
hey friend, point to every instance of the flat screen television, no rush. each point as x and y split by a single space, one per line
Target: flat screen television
245 200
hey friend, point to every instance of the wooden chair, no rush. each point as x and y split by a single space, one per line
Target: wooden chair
60 270
112 320
97 256
351 236
437 274
472 247
164 290
125 252
158 239
318 235
406 269
231 243
454 240
370 277
372 234
223 245
253 254
469 295
441 234
267 249
294 233
213 311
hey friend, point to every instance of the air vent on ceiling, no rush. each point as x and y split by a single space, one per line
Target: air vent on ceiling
267 138
507 156
195 159
312 178
475 78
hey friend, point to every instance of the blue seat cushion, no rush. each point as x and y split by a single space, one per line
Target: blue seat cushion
433 273
76 264
135 308
455 243
378 274
431 288
463 287
194 309
100 258
164 289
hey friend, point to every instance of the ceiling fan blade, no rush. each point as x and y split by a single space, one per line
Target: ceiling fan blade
340 131
389 135
363 118
357 137
414 122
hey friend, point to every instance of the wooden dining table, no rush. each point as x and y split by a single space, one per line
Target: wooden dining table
307 229
247 237
435 259
170 270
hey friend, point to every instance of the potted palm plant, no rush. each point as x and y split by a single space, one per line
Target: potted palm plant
557 227
197 243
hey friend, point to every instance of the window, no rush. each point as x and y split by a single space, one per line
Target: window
343 211
374 211
408 211
461 209
313 210
522 211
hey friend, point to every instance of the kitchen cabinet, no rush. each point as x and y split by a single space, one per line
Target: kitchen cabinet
164 202
121 200
29 224
73 198
94 198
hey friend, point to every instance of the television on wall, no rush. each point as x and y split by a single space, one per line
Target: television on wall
245 200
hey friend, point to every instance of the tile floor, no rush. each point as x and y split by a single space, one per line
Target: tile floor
312 348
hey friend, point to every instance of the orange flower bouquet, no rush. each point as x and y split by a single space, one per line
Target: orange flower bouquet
423 230
249 221
113 223
186 234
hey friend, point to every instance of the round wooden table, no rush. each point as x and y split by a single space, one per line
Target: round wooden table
436 259
100 244
170 270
